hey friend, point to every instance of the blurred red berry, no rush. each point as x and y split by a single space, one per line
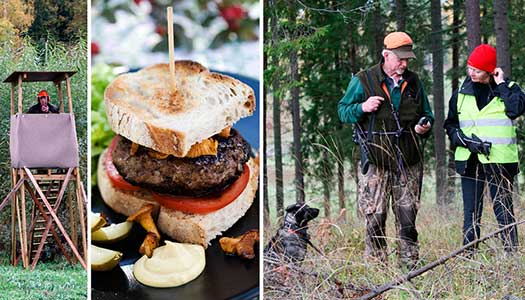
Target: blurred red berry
138 1
95 49
233 16
161 30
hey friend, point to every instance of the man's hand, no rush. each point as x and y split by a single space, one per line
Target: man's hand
498 75
422 129
423 126
372 104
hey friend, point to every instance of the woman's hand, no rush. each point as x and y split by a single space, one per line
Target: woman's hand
498 75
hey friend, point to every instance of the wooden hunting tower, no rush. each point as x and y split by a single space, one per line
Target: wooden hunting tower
44 163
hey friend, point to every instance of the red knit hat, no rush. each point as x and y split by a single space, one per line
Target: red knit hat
483 57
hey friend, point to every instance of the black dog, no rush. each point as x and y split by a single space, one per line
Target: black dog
291 240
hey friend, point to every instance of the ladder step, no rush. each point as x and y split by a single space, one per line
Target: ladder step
36 243
39 236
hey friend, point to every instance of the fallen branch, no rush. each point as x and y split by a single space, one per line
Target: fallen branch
401 279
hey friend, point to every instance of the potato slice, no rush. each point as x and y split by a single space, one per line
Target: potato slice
103 259
96 221
112 233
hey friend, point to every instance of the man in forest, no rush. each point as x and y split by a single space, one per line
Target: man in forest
390 110
43 106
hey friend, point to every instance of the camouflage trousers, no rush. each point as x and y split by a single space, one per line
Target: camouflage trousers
378 189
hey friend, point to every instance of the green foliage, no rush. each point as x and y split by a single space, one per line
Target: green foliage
63 20
101 133
335 40
54 56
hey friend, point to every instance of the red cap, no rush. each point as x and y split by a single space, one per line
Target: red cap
43 93
483 57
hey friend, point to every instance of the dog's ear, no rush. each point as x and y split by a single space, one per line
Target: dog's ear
292 207
313 213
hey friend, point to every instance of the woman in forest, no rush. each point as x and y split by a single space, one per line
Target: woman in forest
482 132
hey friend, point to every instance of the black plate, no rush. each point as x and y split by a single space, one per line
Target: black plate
224 277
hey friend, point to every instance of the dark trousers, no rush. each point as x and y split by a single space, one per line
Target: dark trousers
500 184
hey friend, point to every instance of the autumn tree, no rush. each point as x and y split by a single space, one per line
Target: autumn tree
15 19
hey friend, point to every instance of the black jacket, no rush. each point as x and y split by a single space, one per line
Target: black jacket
37 109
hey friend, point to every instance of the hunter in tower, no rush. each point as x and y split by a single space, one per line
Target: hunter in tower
390 110
482 132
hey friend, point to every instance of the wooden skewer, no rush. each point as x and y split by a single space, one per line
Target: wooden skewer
171 45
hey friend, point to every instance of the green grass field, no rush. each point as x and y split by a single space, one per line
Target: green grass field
47 281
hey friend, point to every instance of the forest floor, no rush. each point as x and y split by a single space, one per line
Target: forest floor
49 280
489 274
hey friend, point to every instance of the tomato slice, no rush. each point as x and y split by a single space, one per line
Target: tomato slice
208 204
113 174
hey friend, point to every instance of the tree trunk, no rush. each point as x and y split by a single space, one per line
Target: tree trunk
473 30
353 50
484 34
451 174
401 12
354 68
326 184
439 107
501 23
266 204
379 30
277 124
296 118
455 45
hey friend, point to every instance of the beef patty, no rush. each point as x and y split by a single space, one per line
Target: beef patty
196 177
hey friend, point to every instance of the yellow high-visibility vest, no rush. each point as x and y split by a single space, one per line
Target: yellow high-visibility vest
489 124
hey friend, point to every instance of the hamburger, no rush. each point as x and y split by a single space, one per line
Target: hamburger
176 149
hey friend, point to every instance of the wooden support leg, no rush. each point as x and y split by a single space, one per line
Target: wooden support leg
72 217
13 220
55 218
25 260
34 215
44 235
19 222
48 220
81 205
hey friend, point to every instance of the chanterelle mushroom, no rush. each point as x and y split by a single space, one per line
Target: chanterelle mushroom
242 245
144 218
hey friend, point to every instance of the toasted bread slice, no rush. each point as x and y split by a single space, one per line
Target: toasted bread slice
147 109
183 227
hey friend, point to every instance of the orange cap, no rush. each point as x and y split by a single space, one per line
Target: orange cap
43 93
400 43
